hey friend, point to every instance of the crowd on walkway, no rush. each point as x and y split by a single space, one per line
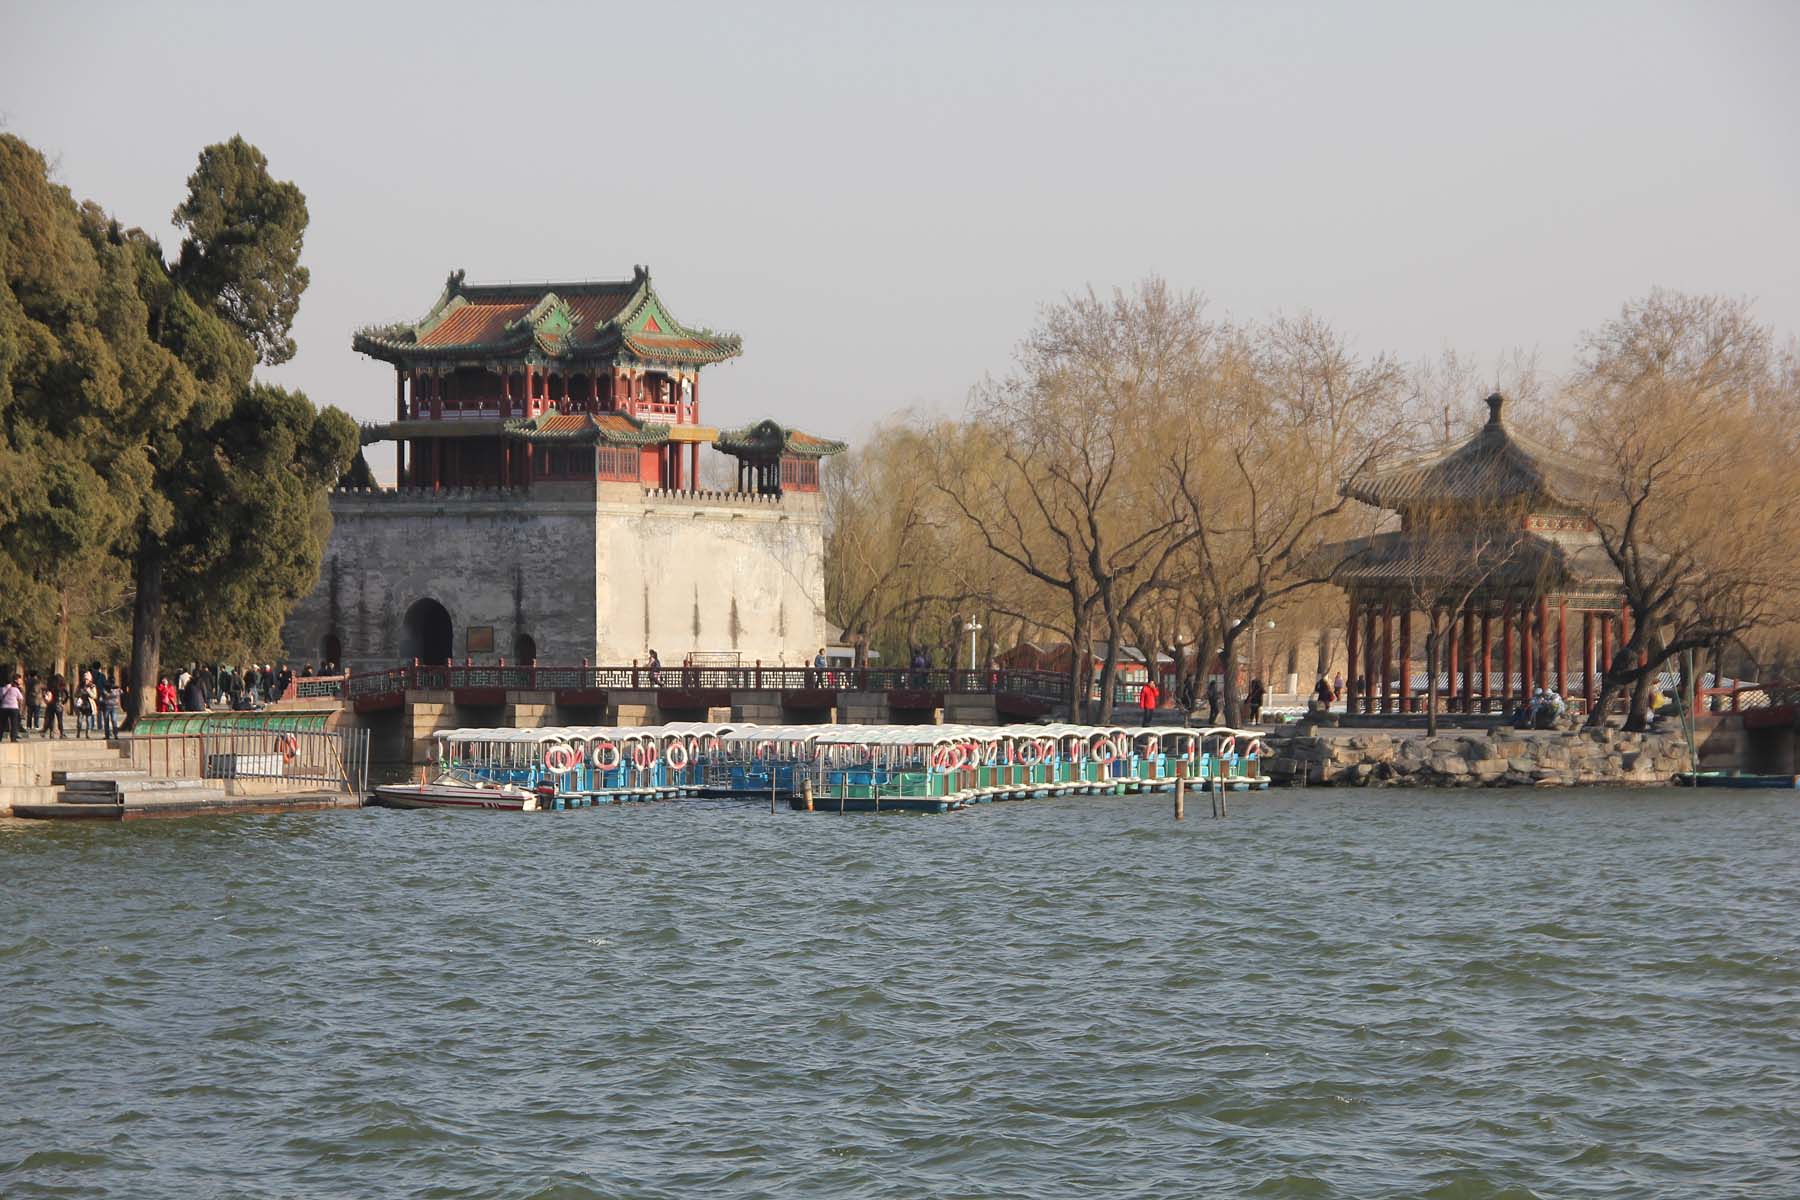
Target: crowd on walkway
43 705
33 705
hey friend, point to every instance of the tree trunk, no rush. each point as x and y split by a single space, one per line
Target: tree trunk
1228 689
1639 719
1078 661
1109 675
63 664
146 630
1431 685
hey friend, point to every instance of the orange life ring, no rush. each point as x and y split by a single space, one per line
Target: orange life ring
288 745
677 756
599 756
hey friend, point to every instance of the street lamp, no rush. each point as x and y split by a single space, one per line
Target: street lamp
1254 666
972 628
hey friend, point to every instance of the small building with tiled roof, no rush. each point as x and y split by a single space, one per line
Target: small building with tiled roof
548 501
1493 535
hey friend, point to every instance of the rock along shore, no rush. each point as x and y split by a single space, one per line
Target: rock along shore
1476 758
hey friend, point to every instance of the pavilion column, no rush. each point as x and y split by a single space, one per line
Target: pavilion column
1450 659
1587 656
1373 665
1562 648
437 396
1406 659
1523 617
1487 658
1468 659
1543 641
1387 656
1350 648
1506 654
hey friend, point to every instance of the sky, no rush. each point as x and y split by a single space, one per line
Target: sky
881 198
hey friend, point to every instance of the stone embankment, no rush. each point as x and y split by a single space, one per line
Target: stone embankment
1477 758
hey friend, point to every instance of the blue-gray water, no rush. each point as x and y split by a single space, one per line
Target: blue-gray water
1328 994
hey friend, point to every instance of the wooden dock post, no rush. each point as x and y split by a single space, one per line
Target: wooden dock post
807 796
772 777
1180 791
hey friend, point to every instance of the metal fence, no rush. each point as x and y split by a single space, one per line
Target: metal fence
337 759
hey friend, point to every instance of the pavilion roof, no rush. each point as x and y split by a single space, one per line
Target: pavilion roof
1507 559
767 440
587 321
1495 465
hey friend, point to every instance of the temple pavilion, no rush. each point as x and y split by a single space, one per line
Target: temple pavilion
507 385
1493 536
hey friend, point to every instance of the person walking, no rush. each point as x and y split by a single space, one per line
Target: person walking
654 666
112 704
166 700
12 701
34 702
56 694
1322 695
87 707
196 699
1185 697
1337 686
1253 701
1212 701
1148 698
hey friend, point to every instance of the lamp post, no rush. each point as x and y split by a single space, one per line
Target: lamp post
972 628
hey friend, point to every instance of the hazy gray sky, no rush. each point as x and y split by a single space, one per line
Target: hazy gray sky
879 197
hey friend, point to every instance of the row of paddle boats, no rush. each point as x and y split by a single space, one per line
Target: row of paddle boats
847 768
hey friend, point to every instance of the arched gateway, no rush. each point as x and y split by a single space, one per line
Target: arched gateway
427 634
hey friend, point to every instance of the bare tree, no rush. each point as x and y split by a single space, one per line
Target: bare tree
1696 416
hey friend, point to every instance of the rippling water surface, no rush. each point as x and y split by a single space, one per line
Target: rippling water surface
1328 994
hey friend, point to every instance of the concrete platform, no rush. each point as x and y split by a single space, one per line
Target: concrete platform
140 806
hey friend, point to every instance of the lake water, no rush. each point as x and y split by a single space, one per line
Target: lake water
1331 993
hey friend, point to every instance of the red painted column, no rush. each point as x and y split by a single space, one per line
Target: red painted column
1387 657
1506 655
1468 659
694 465
1606 643
1524 618
1587 656
1406 703
1543 641
1450 663
437 397
1562 648
1350 648
1487 659
1373 666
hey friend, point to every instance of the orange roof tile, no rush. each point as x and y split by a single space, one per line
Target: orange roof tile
475 323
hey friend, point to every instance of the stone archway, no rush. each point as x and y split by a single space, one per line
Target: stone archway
524 649
331 650
427 634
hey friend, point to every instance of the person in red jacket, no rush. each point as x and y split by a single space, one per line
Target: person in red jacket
1148 697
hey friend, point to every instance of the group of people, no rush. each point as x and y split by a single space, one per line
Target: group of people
1150 698
1544 710
198 689
32 705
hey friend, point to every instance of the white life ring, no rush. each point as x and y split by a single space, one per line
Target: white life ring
677 756
559 759
1228 747
600 759
1105 752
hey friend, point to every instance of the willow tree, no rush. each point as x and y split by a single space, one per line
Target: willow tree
1057 473
1698 419
1290 412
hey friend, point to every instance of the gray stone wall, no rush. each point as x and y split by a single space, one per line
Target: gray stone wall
1502 758
602 573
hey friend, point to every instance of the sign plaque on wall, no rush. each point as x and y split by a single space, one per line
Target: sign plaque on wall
481 639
